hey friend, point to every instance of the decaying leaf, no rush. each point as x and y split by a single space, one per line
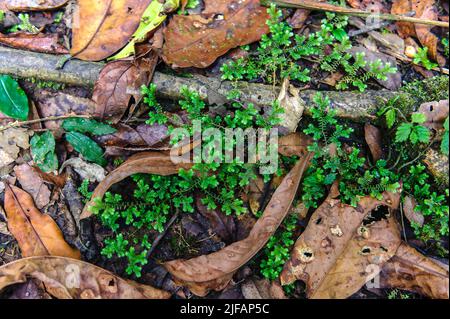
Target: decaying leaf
424 9
37 234
120 81
32 183
292 105
66 278
410 270
87 171
333 253
33 5
373 139
262 289
45 43
214 271
11 141
198 40
410 212
144 163
294 144
96 34
436 113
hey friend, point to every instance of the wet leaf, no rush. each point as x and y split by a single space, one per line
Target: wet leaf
214 271
44 43
86 147
66 278
33 5
31 182
118 83
37 234
43 151
333 253
83 125
373 139
96 34
410 270
144 163
198 40
13 100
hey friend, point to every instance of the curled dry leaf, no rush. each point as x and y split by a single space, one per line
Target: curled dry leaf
37 234
292 105
95 32
373 138
118 82
31 182
214 271
198 40
66 278
410 270
424 9
143 163
33 5
333 253
44 43
436 113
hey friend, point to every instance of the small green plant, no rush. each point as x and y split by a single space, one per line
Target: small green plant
24 25
2 15
397 294
421 58
444 143
445 44
280 52
84 190
412 131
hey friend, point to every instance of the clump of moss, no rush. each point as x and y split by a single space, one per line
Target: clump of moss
431 89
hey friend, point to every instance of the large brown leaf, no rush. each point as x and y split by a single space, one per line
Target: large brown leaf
32 182
37 234
118 82
101 28
143 163
66 278
198 40
373 139
214 271
45 43
410 270
333 253
33 5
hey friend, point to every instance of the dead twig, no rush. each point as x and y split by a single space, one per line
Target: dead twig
163 234
45 119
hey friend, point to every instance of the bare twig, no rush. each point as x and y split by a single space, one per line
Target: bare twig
45 119
161 235
314 5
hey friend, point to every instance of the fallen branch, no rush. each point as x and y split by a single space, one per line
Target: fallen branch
321 6
45 119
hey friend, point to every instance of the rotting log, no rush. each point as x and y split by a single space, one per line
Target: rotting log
23 64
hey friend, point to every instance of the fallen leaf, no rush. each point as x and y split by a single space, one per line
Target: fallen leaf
262 289
423 9
33 5
214 271
194 40
118 83
332 254
11 141
44 43
410 270
143 163
86 147
374 139
297 21
13 100
66 278
410 212
87 171
95 32
37 234
294 144
436 113
3 227
292 105
32 183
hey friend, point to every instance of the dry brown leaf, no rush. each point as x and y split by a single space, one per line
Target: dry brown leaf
11 141
198 40
436 113
101 28
410 270
373 139
292 105
142 163
332 254
411 214
262 289
37 234
44 43
294 144
66 278
32 183
424 9
214 271
118 82
297 21
33 5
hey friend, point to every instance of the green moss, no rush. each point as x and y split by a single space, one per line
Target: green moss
431 89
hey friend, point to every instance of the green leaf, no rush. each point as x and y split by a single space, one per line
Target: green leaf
444 143
418 118
390 118
83 125
403 132
43 151
13 100
86 147
423 134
